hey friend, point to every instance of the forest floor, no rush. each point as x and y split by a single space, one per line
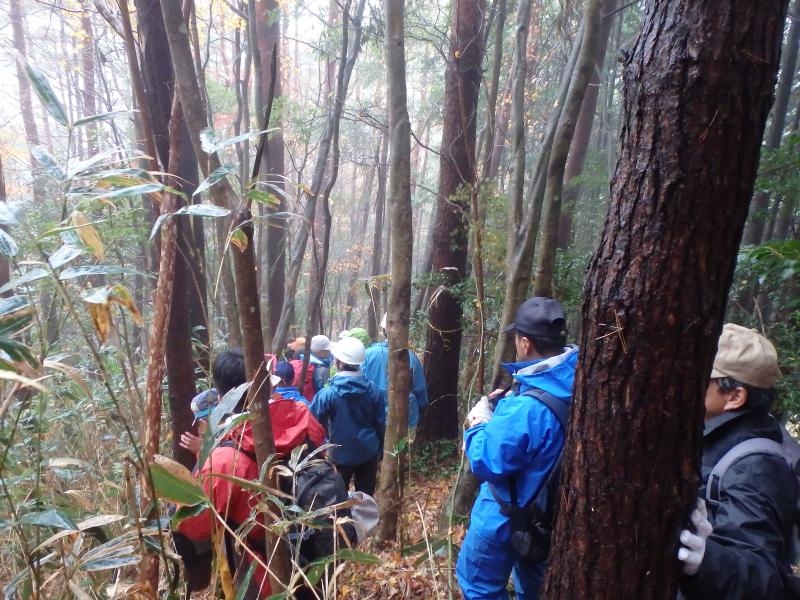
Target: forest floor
422 566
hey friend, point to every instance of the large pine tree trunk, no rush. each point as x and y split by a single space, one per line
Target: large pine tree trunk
698 87
390 491
456 180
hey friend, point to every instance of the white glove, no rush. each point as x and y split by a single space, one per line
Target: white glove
693 544
480 413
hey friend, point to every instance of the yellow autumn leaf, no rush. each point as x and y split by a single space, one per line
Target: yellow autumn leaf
239 239
88 234
101 319
122 296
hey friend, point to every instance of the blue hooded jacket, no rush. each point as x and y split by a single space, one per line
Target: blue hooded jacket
523 438
352 412
291 393
376 369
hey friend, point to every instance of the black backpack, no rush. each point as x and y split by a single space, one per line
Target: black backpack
318 486
532 524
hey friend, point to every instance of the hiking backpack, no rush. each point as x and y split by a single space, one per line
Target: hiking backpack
306 387
532 524
788 450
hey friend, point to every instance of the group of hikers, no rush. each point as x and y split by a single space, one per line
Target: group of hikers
739 540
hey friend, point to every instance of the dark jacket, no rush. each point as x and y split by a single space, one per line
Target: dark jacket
748 553
352 412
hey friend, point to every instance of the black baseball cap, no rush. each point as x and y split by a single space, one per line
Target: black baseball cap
539 316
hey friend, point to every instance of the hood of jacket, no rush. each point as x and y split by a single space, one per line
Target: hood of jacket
554 375
350 384
242 436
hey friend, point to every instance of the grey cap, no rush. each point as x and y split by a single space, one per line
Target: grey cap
539 316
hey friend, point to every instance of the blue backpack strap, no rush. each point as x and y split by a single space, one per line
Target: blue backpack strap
757 445
561 411
559 408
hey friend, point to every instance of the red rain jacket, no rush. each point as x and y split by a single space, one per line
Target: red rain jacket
293 425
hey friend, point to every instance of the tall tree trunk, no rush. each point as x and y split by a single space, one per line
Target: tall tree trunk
374 297
188 284
244 262
456 180
546 260
583 128
501 131
518 270
88 91
25 104
5 271
390 490
694 112
149 567
760 203
268 41
352 282
348 59
487 133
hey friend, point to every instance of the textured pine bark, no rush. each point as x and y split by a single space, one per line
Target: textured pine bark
698 86
456 179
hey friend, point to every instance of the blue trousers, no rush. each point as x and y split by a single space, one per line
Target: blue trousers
483 570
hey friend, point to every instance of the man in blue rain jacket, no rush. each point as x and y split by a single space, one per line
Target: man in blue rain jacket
352 412
518 442
376 369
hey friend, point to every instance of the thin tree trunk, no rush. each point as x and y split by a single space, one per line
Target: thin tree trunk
268 41
760 204
487 133
348 59
148 570
456 180
583 128
244 262
374 298
390 490
695 106
546 260
5 271
88 92
25 104
518 271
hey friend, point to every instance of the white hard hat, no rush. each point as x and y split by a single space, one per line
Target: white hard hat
320 343
350 351
344 333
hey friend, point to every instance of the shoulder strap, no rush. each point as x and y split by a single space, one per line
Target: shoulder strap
757 445
559 409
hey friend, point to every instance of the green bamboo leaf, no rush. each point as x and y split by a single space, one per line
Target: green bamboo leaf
16 350
65 254
8 246
102 564
45 93
29 276
215 177
48 163
157 225
176 489
245 583
203 210
264 198
101 117
49 518
210 142
13 304
86 270
186 512
133 190
10 213
357 556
